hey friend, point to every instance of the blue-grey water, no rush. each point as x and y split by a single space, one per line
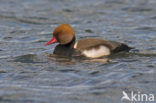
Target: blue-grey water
30 74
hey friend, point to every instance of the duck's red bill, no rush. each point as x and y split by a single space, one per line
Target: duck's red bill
52 41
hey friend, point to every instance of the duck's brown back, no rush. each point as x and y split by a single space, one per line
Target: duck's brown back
93 43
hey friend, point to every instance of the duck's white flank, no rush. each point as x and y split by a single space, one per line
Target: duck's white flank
75 45
95 53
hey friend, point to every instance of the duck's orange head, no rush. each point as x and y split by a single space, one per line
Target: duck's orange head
62 34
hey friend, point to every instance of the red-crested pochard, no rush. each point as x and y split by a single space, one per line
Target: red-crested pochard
91 47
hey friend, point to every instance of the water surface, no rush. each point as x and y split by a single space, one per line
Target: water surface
28 73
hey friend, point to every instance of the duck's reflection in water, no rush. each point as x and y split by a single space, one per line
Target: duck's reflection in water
76 59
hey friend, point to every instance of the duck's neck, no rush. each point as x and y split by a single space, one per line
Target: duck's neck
71 44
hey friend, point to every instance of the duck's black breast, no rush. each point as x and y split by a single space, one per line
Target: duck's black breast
64 50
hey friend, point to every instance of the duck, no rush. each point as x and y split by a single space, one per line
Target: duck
89 47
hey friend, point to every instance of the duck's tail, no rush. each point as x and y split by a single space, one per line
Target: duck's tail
123 47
